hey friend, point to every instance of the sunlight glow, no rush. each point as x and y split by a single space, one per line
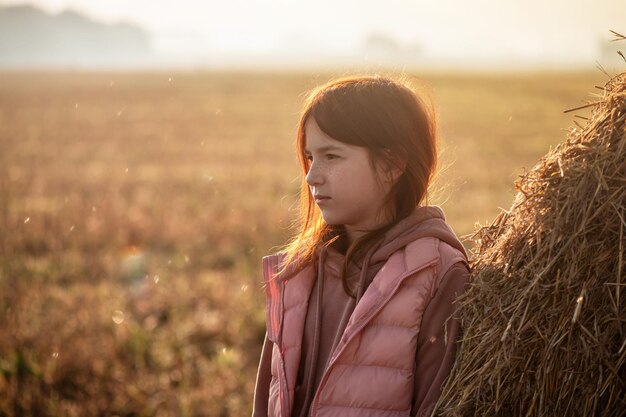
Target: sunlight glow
550 31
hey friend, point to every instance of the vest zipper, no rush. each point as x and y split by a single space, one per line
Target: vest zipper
358 329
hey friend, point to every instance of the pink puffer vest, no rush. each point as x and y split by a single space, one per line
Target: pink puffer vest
370 373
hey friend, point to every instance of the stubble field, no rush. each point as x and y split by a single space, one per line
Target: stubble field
135 208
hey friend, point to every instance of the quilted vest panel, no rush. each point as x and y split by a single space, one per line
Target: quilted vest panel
370 373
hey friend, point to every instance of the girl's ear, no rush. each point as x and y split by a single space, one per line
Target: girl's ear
393 167
397 170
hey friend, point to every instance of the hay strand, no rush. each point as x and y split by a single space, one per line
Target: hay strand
617 36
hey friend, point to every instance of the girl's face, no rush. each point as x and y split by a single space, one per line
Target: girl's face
345 186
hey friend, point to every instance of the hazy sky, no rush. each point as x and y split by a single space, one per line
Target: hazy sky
541 30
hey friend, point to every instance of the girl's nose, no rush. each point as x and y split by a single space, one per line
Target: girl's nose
313 177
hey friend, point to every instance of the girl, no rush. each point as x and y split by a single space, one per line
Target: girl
358 303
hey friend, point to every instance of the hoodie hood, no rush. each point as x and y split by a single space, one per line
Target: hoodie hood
424 221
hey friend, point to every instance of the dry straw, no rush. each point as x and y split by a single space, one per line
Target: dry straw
545 315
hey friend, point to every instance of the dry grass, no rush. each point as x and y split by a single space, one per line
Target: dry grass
134 209
545 316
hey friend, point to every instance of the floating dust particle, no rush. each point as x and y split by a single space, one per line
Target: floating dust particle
118 317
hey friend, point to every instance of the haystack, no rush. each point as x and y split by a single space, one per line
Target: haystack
545 315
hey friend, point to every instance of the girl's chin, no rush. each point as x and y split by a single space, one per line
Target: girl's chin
330 219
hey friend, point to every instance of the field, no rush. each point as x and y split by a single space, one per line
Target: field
135 208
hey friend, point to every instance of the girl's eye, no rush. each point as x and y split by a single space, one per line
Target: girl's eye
328 156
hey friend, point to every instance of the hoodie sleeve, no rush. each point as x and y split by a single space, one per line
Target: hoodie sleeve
437 341
263 379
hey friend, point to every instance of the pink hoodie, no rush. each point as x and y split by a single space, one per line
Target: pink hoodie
320 326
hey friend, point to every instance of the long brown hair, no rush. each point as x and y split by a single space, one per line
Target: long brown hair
397 127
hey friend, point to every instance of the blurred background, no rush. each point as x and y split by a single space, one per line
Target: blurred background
147 164
282 34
